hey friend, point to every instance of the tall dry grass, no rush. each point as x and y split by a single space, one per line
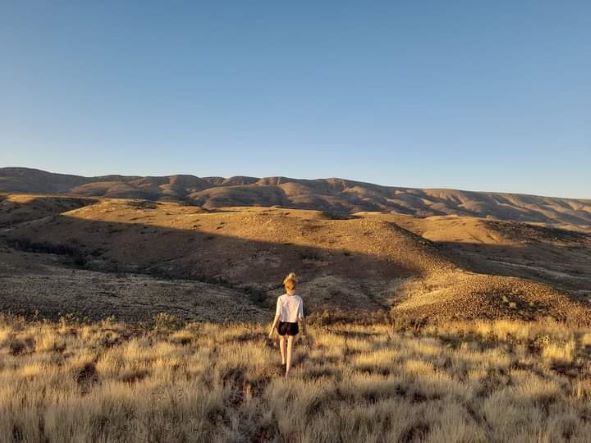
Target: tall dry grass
108 381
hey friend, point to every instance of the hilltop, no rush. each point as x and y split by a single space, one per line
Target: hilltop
333 195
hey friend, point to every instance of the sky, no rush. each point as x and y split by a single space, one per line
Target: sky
478 95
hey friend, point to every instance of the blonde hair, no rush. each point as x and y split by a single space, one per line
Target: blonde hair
290 281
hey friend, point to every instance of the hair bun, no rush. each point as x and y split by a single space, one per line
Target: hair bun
290 276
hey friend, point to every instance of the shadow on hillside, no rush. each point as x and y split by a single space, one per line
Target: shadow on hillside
331 278
564 266
21 208
193 254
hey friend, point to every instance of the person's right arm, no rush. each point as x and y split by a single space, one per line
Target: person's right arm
276 319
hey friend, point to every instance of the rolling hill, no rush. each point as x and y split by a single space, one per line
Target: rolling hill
133 258
335 196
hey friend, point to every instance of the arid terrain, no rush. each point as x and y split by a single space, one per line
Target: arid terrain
333 195
462 382
131 319
129 258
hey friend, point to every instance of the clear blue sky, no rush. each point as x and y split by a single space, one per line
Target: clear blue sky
481 95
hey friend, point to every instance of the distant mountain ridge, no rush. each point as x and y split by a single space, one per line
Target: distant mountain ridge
332 195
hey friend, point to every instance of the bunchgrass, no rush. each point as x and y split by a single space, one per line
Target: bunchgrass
98 382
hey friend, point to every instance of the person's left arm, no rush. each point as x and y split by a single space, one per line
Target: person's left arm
301 317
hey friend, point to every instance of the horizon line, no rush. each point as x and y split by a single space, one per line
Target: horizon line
437 188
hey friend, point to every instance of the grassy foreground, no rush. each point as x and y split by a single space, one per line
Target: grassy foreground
109 381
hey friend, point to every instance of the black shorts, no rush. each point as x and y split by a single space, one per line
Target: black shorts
286 328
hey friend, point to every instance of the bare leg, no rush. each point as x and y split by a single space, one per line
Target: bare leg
282 347
289 352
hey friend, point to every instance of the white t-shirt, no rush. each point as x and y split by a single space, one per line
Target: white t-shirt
290 308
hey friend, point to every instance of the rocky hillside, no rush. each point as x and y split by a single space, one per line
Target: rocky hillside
336 196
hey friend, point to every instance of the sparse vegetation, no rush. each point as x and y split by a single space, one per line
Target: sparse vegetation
109 381
43 247
70 250
413 334
356 263
339 199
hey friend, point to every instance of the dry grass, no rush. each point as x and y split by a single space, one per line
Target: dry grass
107 381
191 262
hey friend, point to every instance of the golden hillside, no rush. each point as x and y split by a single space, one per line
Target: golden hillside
229 262
333 195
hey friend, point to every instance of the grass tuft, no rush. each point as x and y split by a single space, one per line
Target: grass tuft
109 381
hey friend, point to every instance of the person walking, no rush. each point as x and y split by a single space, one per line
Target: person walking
290 311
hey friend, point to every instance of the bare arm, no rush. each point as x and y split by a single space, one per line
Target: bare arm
275 320
301 318
277 316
